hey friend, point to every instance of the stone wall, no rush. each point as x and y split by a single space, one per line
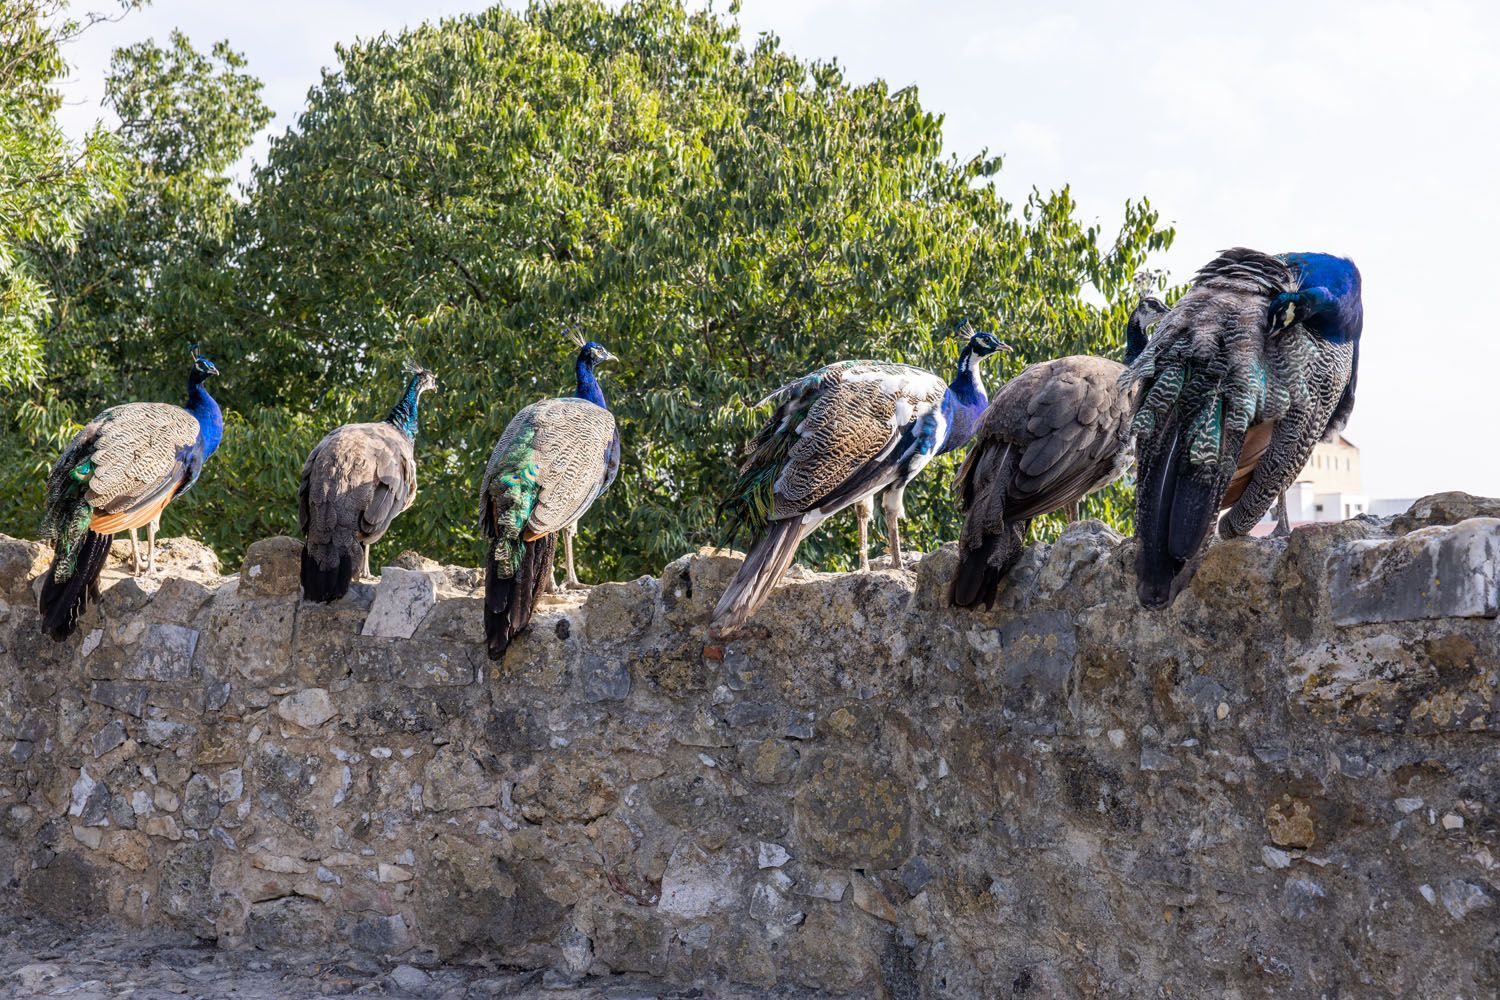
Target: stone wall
1288 784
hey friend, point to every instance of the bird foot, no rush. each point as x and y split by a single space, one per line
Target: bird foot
577 585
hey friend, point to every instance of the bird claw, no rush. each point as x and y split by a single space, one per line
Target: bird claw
577 585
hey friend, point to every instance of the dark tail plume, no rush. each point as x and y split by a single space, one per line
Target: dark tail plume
769 558
1161 529
510 601
325 585
980 570
61 604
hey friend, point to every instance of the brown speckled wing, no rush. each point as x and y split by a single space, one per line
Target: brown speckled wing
860 410
136 452
570 448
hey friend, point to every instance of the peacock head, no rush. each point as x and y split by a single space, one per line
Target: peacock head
418 377
590 352
594 353
980 343
1326 301
202 367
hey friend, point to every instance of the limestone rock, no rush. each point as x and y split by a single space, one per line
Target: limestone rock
309 708
403 598
272 568
1434 572
853 817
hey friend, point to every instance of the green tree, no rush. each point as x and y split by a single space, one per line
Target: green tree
721 218
48 185
131 289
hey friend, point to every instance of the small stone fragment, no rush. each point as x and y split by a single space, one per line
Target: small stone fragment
1462 898
771 855
108 738
309 708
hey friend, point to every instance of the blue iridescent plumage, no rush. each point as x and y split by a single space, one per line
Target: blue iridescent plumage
1254 364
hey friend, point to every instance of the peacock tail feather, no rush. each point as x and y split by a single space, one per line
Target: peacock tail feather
514 491
68 513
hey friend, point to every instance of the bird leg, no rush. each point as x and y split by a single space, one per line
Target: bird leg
150 544
573 583
1283 521
863 511
135 553
894 512
1073 512
364 561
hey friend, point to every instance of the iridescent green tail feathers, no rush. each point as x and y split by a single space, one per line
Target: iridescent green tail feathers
78 553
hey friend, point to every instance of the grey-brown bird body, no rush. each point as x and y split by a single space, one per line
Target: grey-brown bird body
1055 433
1254 364
118 473
1052 435
837 437
354 483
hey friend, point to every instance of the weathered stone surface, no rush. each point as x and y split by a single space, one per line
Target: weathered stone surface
309 708
20 563
403 598
1434 572
880 796
272 567
853 817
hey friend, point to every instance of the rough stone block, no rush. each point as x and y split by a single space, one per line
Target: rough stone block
272 568
1435 572
403 598
620 612
252 638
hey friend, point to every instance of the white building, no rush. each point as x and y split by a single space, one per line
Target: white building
1330 489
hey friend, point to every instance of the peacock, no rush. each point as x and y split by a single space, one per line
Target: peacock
1052 435
1254 364
838 436
355 482
119 472
554 460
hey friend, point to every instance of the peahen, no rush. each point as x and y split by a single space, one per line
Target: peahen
553 461
355 482
1052 435
837 437
1254 364
119 472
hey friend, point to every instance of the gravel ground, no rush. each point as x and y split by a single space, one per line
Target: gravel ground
39 958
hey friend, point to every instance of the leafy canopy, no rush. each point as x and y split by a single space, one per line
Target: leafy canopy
723 218
48 186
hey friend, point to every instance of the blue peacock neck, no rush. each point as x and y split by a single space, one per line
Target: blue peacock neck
203 408
964 402
404 414
588 385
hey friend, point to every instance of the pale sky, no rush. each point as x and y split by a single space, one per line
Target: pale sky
1368 129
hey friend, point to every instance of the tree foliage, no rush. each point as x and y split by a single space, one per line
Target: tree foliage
130 292
723 217
48 185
